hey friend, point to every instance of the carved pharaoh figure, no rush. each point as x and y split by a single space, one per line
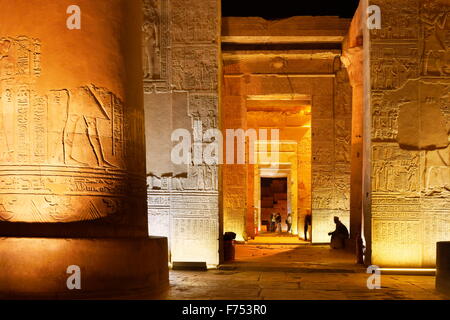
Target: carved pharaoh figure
437 171
151 41
434 48
85 108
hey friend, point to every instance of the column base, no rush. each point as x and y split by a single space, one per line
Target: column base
37 267
443 267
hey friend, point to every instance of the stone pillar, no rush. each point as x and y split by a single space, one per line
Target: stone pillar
443 266
410 124
353 60
181 48
72 154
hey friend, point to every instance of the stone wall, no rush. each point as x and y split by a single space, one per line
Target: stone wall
235 202
181 63
331 129
319 76
410 125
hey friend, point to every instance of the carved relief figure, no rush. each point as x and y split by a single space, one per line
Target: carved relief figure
6 125
395 171
151 39
437 171
6 208
433 22
343 142
85 109
63 127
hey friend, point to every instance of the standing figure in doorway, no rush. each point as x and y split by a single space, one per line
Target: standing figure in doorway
308 222
278 219
273 221
289 222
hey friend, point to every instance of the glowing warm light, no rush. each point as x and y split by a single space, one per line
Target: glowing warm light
281 97
408 270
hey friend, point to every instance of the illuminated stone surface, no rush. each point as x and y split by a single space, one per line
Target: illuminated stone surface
352 57
306 95
410 125
296 273
181 92
72 148
381 164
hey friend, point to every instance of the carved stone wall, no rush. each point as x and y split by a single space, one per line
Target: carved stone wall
410 82
235 176
331 144
304 181
181 50
325 153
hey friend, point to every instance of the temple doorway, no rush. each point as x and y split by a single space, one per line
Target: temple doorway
292 105
274 202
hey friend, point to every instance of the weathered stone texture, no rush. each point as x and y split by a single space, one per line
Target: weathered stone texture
72 159
181 50
410 74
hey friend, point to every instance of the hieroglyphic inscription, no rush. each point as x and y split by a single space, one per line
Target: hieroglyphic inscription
331 145
189 216
194 21
395 170
74 134
235 199
410 74
194 68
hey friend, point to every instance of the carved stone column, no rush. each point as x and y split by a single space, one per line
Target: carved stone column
72 154
353 61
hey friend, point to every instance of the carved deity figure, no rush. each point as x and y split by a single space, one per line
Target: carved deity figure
6 60
211 172
199 175
411 175
197 126
177 183
151 41
437 171
6 209
85 108
6 124
434 48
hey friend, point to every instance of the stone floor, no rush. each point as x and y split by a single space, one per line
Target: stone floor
275 237
291 272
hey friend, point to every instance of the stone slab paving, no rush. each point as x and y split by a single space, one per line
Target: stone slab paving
294 273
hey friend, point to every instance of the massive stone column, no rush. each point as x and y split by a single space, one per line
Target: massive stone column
353 58
72 154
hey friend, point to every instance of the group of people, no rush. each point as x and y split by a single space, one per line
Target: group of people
338 236
275 222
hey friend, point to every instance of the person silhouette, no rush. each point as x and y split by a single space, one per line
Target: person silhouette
339 235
